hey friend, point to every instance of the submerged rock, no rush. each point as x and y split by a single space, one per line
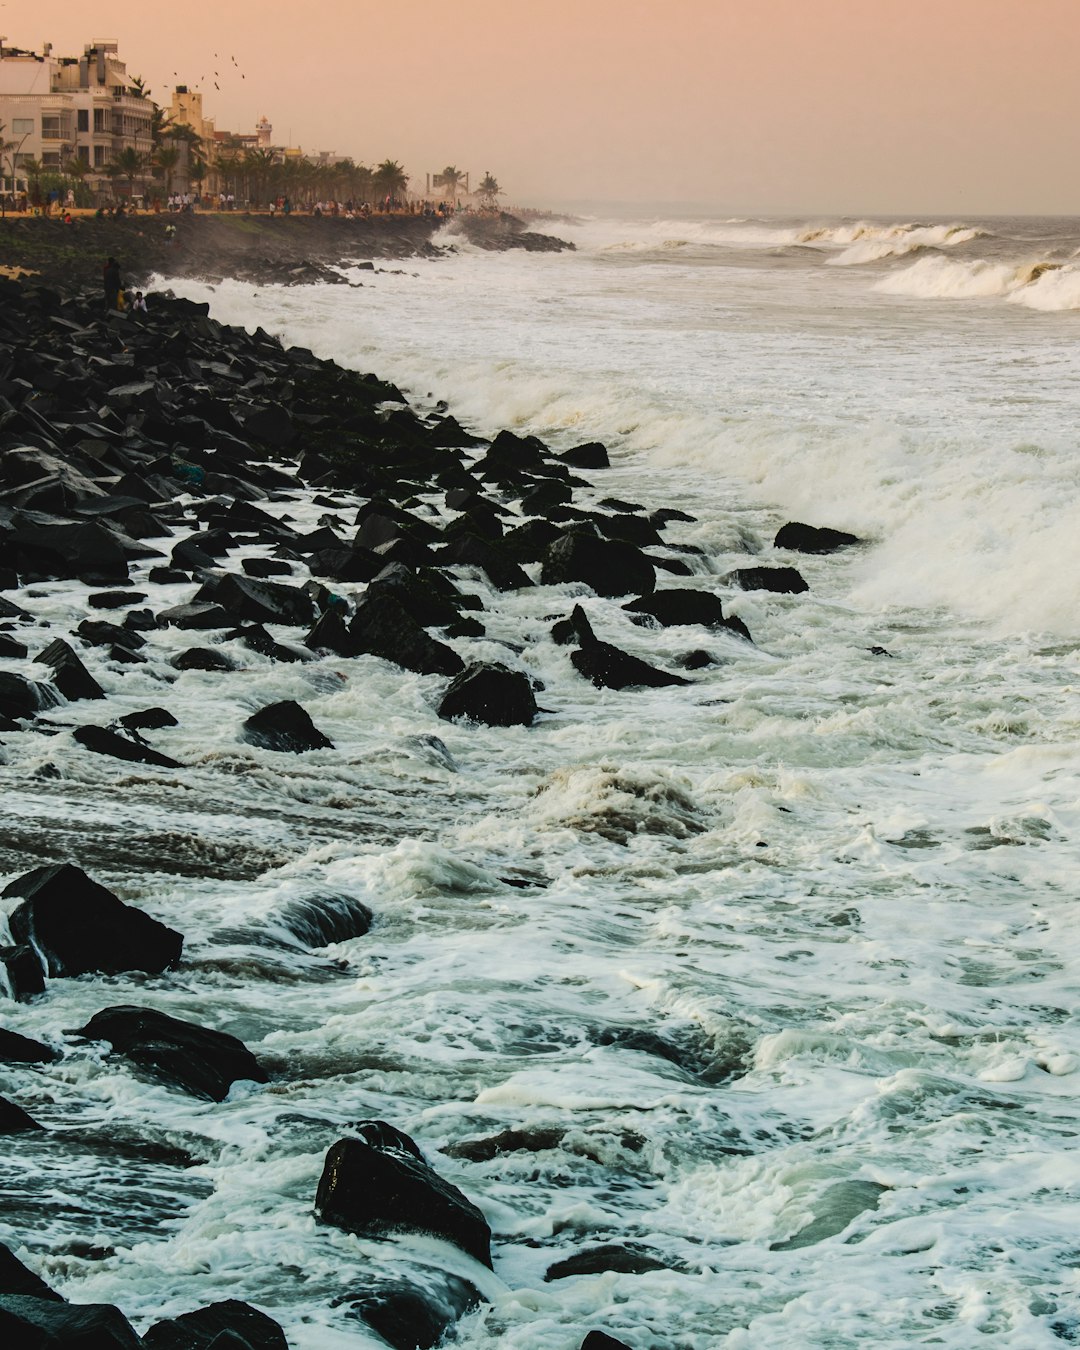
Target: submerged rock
203 1062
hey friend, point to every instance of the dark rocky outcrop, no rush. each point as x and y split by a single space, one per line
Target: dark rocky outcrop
183 1054
779 580
284 726
16 1049
372 1191
489 692
78 926
15 1278
801 538
42 1324
70 676
220 1326
14 1120
609 567
611 668
381 626
600 1340
102 741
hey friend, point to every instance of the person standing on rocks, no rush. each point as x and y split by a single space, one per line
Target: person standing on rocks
112 283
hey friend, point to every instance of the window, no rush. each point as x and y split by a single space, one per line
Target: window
101 119
22 126
99 156
51 159
84 119
52 128
84 153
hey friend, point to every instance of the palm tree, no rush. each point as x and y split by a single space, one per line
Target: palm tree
390 179
166 158
187 140
77 169
452 178
258 165
129 164
33 170
7 149
489 191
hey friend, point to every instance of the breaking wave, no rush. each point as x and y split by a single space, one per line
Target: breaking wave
1043 285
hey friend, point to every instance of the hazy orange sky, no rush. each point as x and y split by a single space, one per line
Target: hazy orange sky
915 107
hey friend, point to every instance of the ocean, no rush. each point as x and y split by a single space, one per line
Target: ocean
777 973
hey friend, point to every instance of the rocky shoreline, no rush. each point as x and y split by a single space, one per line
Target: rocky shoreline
258 248
142 458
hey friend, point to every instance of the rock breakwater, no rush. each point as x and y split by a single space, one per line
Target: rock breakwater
153 470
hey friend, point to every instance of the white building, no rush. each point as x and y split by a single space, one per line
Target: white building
58 109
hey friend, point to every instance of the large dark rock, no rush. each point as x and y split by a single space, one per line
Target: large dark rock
609 567
200 614
16 1049
284 726
611 668
28 1323
102 741
472 550
202 658
488 692
801 538
600 1340
70 676
372 1192
206 1328
780 580
14 1120
20 697
430 603
382 627
15 1278
49 552
200 1061
78 926
680 607
592 455
247 599
685 607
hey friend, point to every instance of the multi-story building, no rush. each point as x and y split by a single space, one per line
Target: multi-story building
59 109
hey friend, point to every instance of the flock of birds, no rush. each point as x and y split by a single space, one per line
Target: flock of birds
217 73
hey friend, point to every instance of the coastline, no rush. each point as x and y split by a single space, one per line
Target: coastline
147 466
259 248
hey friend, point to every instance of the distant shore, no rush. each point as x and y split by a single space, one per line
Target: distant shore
259 248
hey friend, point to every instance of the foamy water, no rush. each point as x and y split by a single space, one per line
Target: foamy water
840 882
